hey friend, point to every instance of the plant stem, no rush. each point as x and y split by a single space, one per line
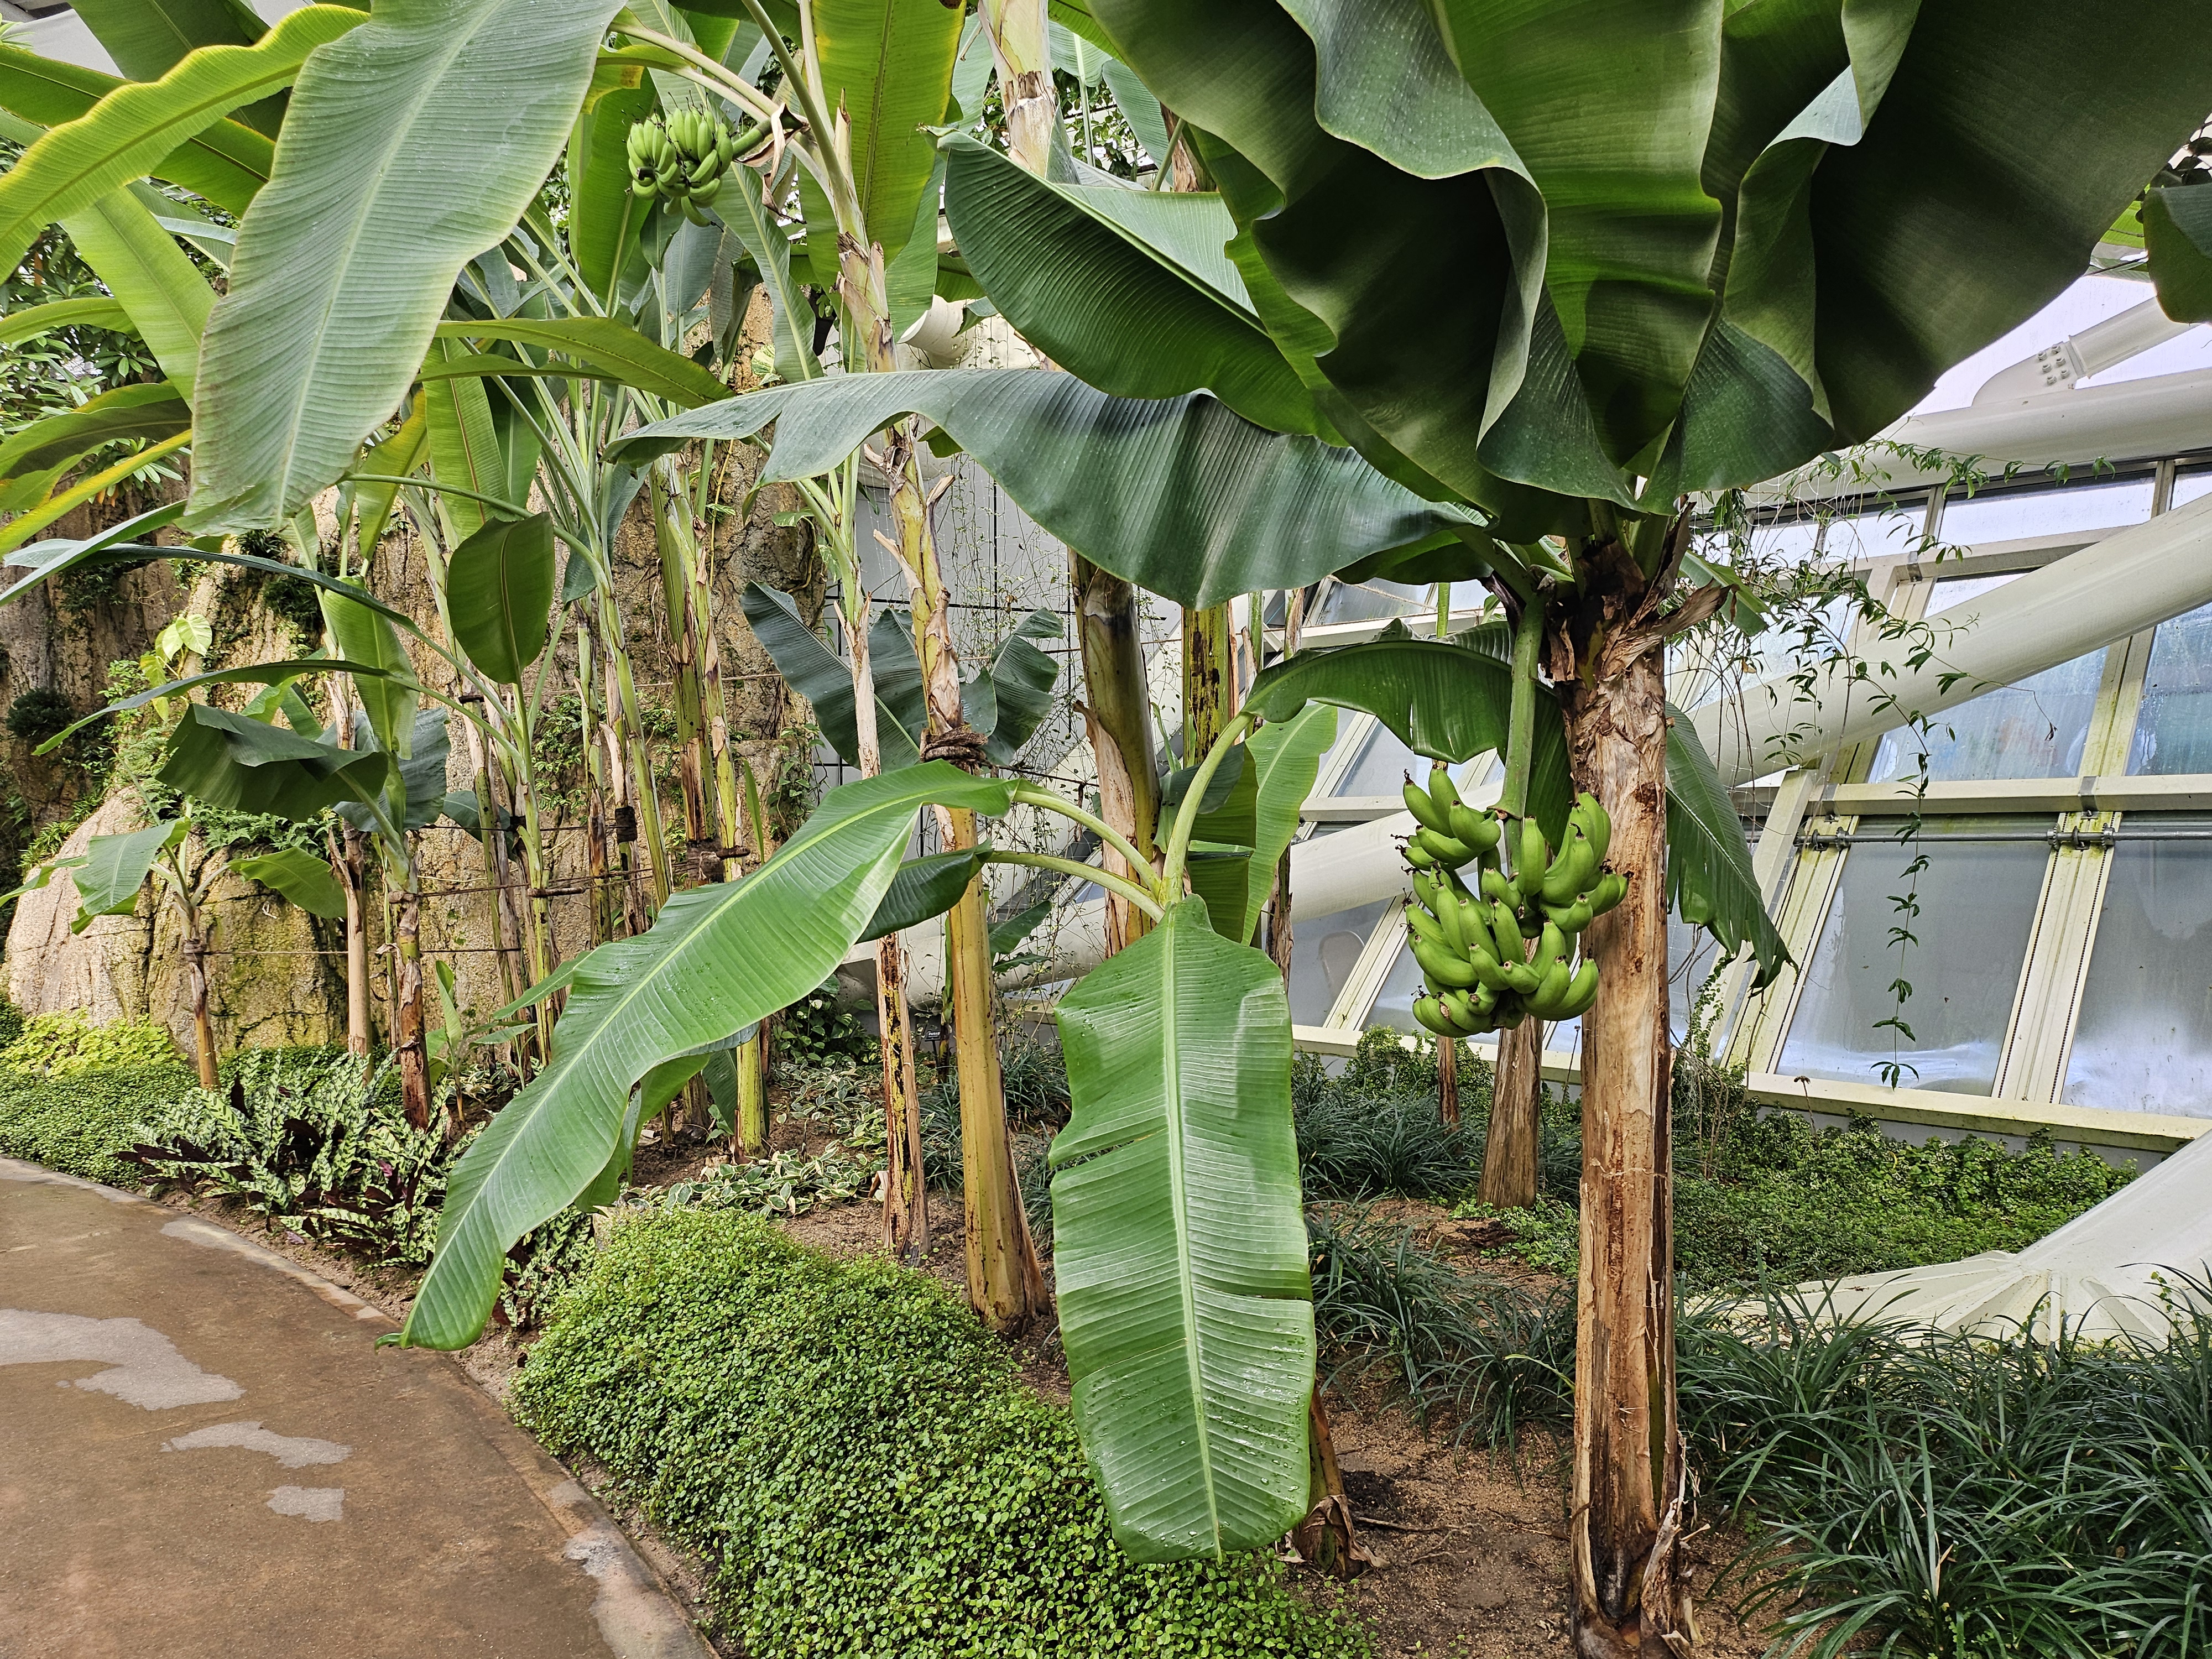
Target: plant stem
1185 822
1037 795
1521 719
1113 883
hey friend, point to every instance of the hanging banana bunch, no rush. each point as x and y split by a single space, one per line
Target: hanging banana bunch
681 158
1506 950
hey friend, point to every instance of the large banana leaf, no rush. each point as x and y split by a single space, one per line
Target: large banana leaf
462 442
1127 288
1183 497
890 64
413 792
1179 1248
924 890
31 459
1448 699
1022 677
824 679
147 37
133 130
115 867
28 322
1710 881
603 343
225 161
239 763
1261 813
301 876
413 143
2177 237
717 959
366 634
1762 249
141 264
604 213
498 589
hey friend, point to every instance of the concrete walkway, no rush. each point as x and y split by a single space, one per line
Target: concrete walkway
204 1455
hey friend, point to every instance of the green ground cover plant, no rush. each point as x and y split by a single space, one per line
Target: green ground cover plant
67 1044
81 1123
863 1463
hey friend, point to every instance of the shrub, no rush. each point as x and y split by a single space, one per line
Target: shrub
862 1463
79 1122
66 1044
38 714
315 1136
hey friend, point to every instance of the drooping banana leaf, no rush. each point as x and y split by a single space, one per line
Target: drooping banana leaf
2177 237
810 669
604 213
1442 698
1710 881
1128 289
924 890
274 675
604 344
413 144
717 959
226 162
301 876
1183 497
1179 1248
132 130
1261 814
146 38
499 587
113 545
462 445
235 761
791 318
1021 678
362 635
115 867
413 791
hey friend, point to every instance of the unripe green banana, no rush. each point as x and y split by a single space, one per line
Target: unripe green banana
1460 1009
1417 858
1532 857
1478 829
1610 888
1425 889
1430 1013
1444 849
1522 978
1571 872
1581 992
1489 972
1550 947
1595 823
1498 887
1551 989
1426 927
1425 809
1571 918
1441 965
1441 790
1506 927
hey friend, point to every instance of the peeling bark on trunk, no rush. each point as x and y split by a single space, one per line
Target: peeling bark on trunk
1117 711
1509 1158
1630 1597
1209 679
408 1039
354 866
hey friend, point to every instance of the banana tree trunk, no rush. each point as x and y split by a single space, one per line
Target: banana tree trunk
1509 1158
1630 1596
1117 710
1279 941
353 865
1209 679
409 1039
196 980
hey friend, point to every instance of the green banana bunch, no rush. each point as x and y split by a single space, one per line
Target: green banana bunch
1506 950
682 158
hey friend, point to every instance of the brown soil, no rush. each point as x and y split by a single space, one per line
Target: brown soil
1471 1549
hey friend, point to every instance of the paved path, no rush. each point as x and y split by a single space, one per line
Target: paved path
204 1455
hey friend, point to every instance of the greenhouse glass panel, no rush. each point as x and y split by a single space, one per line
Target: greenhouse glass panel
1371 601
2144 1039
2037 728
2007 515
2173 732
1323 954
1384 762
1976 901
1881 531
2191 485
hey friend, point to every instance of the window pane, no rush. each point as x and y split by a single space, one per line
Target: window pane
2173 732
1880 532
1976 901
2008 514
1323 953
1370 601
2035 729
1691 954
2144 1040
2189 486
